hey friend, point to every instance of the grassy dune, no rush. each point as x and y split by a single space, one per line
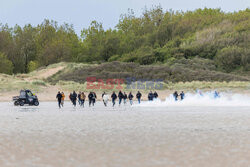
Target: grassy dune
72 76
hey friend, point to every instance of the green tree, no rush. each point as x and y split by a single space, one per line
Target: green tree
25 47
6 65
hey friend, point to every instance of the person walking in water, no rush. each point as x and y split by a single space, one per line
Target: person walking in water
113 97
105 99
182 94
130 97
59 99
63 97
120 96
138 96
175 96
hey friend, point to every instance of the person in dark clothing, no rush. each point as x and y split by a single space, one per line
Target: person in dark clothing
103 99
113 97
59 99
94 98
120 96
74 98
71 97
125 97
182 94
155 95
130 97
175 95
216 94
138 96
79 98
90 97
82 98
150 96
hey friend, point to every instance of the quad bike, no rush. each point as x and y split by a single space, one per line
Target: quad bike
26 97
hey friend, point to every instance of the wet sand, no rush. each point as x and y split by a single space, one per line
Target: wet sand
124 136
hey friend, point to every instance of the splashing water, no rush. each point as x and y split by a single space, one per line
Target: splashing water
204 99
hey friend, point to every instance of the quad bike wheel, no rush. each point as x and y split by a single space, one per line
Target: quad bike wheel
36 103
21 103
16 103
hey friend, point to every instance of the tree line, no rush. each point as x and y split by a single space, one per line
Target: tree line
155 37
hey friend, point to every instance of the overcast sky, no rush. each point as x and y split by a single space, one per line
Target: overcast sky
80 13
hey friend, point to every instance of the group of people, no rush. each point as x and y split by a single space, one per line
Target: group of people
74 97
176 95
81 97
121 96
152 96
60 98
215 95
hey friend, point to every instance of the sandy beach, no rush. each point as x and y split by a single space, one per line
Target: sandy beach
124 136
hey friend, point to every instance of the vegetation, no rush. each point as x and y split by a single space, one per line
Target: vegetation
181 71
5 64
11 83
40 82
205 44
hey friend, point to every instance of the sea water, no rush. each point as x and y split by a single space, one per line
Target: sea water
207 132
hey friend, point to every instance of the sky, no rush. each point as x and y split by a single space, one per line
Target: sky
80 13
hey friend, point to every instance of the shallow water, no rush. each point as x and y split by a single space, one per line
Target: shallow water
140 136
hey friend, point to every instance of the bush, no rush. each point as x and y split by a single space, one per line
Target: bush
32 66
39 83
145 56
184 70
114 58
245 60
229 58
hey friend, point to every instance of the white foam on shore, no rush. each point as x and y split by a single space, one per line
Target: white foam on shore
206 99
